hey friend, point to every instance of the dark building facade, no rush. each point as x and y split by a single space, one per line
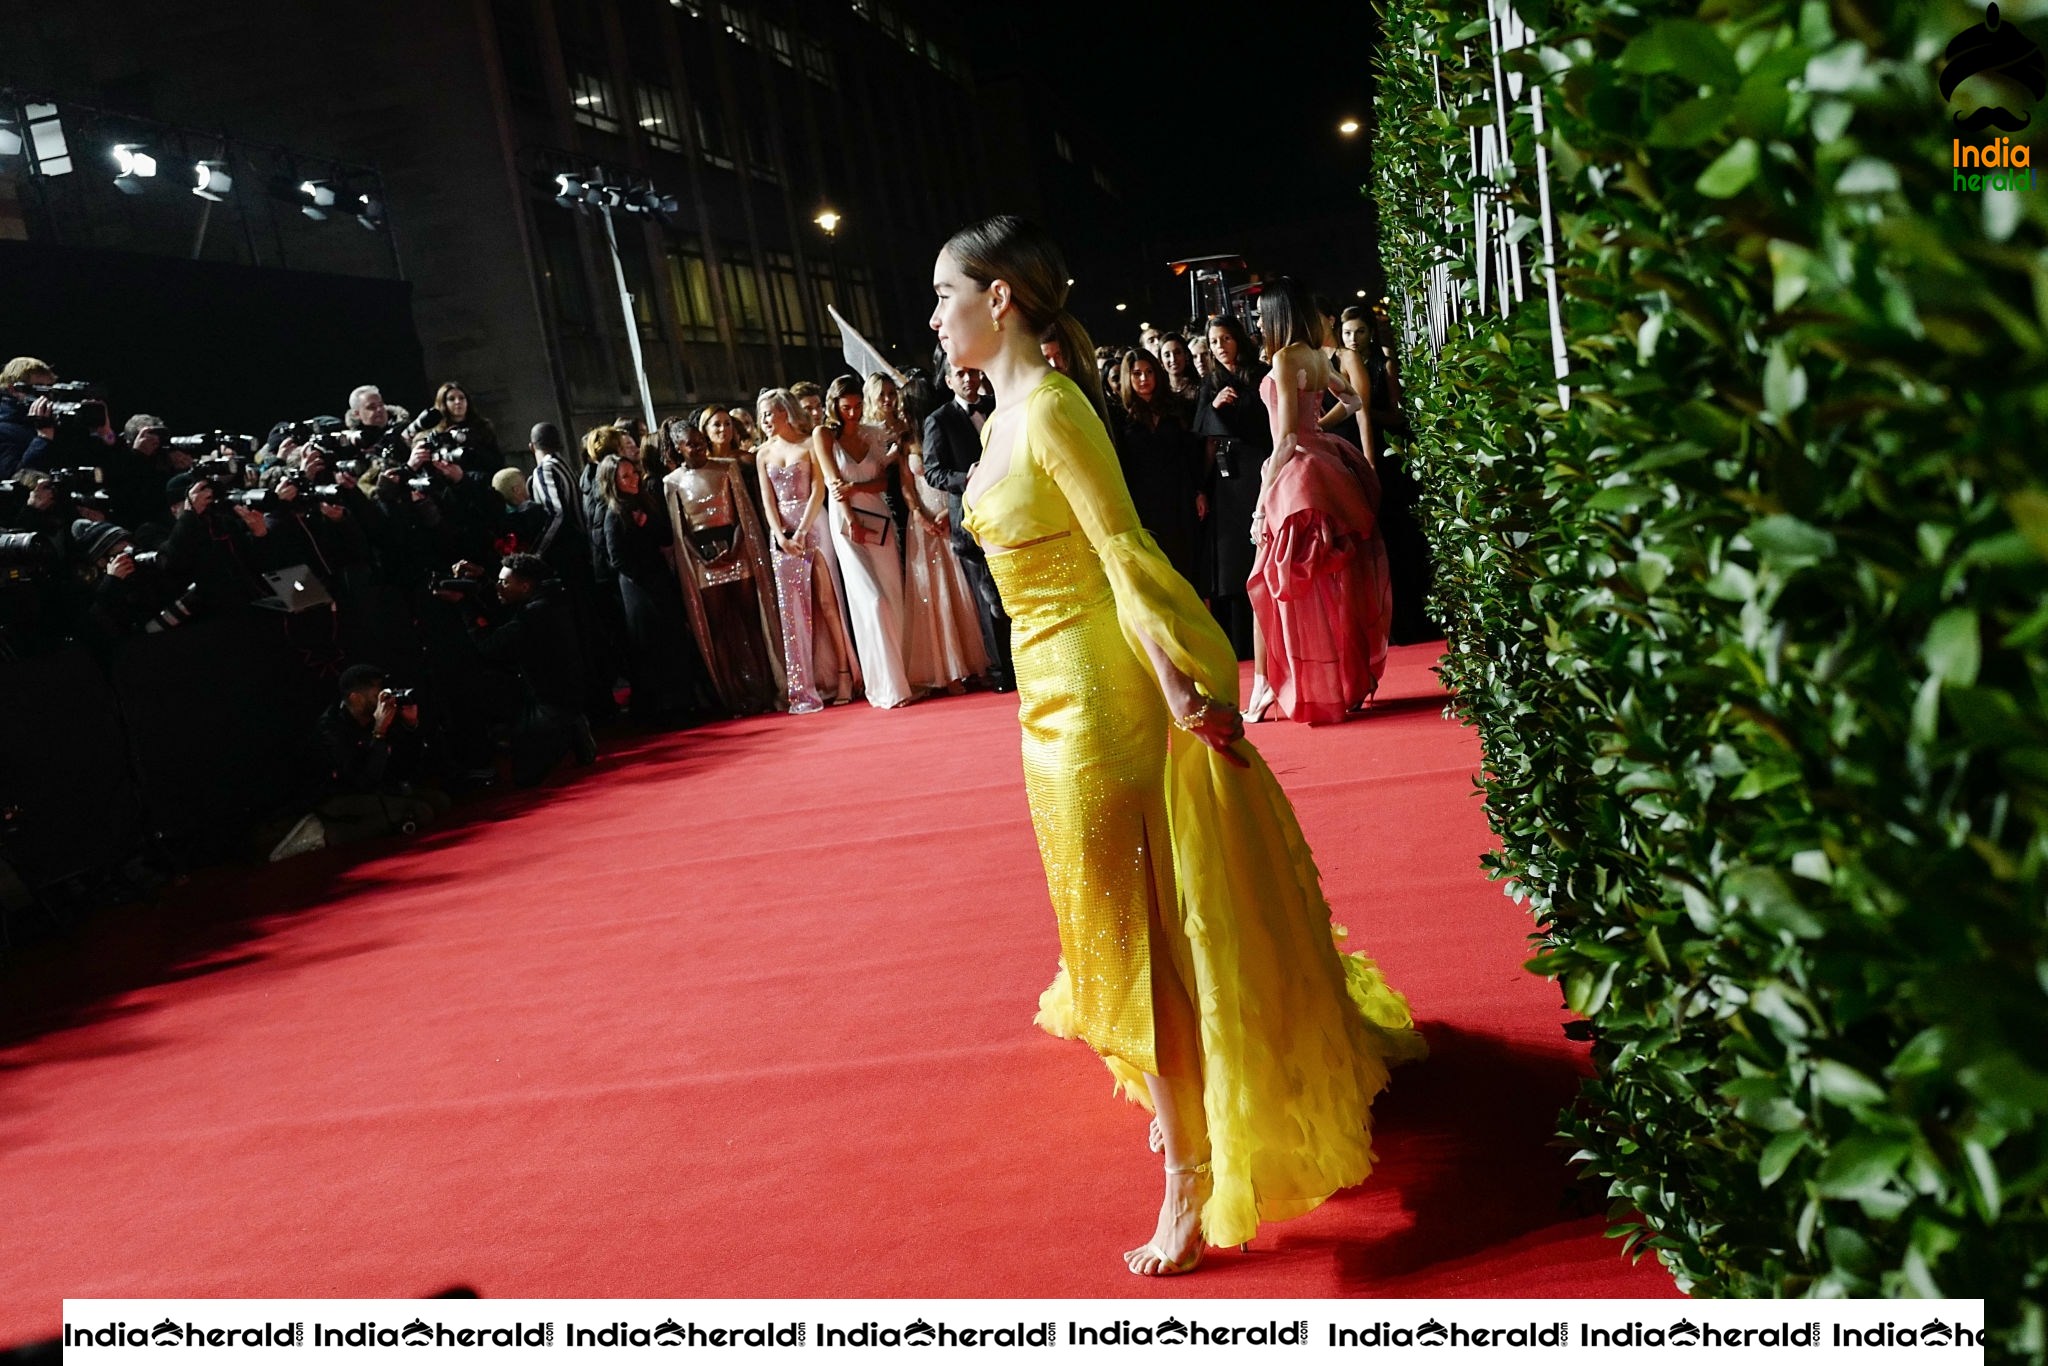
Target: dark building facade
754 121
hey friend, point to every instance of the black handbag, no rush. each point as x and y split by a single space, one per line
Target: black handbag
870 527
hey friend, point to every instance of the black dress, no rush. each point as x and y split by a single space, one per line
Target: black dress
667 674
1162 464
1244 438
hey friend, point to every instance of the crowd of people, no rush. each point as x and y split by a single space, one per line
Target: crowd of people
806 551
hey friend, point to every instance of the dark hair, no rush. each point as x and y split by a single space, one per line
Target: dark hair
608 484
528 569
1024 256
1137 407
1227 322
1287 315
357 677
546 436
838 389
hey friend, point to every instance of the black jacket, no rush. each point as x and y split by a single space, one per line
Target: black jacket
357 761
540 643
20 443
951 448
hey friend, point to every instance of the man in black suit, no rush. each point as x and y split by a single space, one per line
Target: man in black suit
952 446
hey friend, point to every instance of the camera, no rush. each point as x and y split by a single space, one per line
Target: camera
448 440
263 500
213 441
405 697
25 555
76 403
461 587
81 485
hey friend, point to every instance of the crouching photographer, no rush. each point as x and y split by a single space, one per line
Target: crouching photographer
374 753
528 628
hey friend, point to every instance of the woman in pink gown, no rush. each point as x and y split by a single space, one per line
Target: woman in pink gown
1319 587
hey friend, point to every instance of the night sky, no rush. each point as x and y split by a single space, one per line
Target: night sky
1218 119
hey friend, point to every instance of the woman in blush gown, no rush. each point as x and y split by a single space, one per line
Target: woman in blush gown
1197 956
857 462
1319 584
944 648
819 659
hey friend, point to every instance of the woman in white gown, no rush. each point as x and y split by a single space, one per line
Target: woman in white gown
814 642
857 461
944 647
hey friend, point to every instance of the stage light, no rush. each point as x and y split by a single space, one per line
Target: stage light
135 164
317 198
1361 294
1070 281
1121 307
370 212
10 141
214 180
1349 128
569 190
829 220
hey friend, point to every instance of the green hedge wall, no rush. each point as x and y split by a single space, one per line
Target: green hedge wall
1753 631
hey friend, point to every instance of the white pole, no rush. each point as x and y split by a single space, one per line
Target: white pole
632 322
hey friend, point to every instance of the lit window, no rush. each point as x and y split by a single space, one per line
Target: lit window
592 97
779 44
738 22
886 17
656 110
865 9
911 38
689 7
818 63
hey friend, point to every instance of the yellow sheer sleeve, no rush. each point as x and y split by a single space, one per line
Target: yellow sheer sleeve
1153 601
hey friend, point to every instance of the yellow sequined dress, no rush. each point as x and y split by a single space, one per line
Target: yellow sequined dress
1296 1037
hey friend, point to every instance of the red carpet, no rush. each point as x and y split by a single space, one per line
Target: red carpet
746 1012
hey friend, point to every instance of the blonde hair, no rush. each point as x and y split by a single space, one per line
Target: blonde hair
1024 256
600 442
20 368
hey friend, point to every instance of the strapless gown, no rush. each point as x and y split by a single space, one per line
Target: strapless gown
1296 1037
1319 586
818 656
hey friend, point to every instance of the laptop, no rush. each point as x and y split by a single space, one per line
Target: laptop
294 589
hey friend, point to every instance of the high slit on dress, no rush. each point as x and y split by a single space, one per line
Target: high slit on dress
1295 1037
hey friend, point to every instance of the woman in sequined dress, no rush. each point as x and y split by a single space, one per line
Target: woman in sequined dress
817 654
1171 855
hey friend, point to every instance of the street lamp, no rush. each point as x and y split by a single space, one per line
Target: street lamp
1349 128
829 220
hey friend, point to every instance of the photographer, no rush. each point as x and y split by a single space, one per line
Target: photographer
533 636
371 744
375 428
459 430
209 547
134 469
39 432
126 591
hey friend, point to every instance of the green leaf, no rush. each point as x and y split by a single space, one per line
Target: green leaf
1867 175
1784 383
1778 1155
2028 509
1985 1187
1685 46
1788 544
1953 650
1770 900
1844 1085
1790 279
1691 123
1860 1165
1730 173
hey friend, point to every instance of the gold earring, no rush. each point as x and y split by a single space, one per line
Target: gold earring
999 324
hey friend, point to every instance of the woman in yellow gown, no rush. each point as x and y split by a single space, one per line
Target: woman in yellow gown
1196 951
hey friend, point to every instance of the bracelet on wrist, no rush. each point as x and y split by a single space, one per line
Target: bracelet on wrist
1195 719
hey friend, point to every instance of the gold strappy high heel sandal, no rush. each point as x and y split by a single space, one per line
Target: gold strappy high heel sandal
1168 1266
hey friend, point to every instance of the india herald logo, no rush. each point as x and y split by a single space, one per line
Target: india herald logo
2010 63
